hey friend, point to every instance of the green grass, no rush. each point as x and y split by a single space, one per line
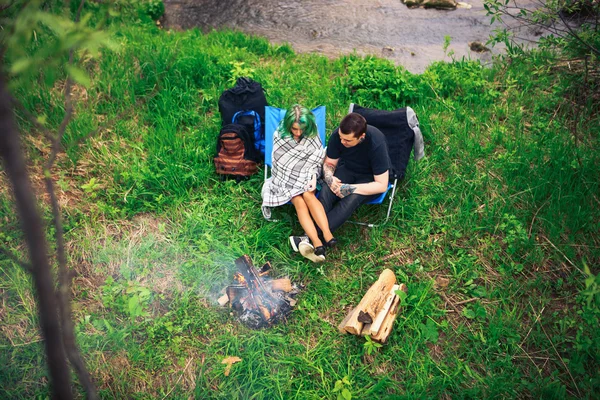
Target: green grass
504 208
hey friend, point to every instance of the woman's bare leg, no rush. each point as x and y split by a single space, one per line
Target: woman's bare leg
306 221
318 213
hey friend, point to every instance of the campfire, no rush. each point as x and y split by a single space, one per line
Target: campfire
258 300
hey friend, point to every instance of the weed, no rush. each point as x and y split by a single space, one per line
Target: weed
342 388
370 345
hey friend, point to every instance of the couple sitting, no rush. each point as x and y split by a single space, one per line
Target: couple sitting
355 169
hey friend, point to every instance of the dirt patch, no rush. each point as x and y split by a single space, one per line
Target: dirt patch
401 256
435 350
100 252
111 367
17 327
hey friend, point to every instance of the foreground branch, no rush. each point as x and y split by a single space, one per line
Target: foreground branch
64 289
15 167
11 256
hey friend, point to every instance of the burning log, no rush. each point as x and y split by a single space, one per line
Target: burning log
258 302
377 311
275 285
265 269
282 285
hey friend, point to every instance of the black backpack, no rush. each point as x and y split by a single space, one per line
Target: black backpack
236 155
399 136
244 104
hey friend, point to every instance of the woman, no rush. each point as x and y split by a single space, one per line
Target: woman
297 162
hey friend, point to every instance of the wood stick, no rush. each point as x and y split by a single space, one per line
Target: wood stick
282 285
376 325
342 324
223 300
372 300
265 269
388 322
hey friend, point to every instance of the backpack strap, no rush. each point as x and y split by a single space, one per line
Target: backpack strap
257 122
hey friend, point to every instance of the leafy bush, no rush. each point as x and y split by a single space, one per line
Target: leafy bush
377 83
153 8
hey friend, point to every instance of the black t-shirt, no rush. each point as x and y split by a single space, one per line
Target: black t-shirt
367 158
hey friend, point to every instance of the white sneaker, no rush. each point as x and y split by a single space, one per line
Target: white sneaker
308 251
296 240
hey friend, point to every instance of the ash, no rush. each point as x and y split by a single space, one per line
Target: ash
252 318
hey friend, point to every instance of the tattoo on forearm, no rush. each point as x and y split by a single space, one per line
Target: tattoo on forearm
346 189
328 171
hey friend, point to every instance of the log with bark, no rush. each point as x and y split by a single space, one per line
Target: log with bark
371 303
377 311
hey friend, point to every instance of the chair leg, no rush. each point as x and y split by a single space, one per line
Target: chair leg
389 210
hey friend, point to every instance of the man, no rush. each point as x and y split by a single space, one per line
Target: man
355 170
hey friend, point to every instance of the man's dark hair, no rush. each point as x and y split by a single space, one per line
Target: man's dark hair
353 123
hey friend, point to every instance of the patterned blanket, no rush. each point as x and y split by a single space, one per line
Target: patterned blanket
296 167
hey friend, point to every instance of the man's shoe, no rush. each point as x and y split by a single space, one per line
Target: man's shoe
308 251
332 243
296 240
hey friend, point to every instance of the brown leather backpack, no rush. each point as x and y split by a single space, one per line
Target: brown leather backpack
236 154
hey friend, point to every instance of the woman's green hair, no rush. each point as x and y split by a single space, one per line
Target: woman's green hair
303 116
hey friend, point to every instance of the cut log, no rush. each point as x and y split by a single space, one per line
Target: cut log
342 324
223 300
376 304
374 299
388 322
378 321
282 285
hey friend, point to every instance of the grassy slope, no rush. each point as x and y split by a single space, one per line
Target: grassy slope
505 207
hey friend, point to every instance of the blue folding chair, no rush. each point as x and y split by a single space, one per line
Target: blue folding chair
273 116
401 138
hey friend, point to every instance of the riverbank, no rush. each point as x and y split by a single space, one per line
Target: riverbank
413 38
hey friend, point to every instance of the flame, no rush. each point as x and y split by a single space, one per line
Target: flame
265 312
240 278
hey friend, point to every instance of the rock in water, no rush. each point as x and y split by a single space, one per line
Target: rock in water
439 4
478 47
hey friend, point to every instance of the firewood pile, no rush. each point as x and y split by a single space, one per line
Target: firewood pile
377 311
258 301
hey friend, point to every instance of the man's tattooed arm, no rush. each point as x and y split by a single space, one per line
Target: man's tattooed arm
346 190
328 170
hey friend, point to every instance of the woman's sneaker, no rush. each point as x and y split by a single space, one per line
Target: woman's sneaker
308 251
296 240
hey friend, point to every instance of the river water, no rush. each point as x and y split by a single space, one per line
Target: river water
413 38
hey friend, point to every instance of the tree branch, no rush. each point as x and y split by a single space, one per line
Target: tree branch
64 301
13 257
32 119
64 289
15 167
576 36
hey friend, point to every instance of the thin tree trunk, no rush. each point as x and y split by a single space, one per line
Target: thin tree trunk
15 167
